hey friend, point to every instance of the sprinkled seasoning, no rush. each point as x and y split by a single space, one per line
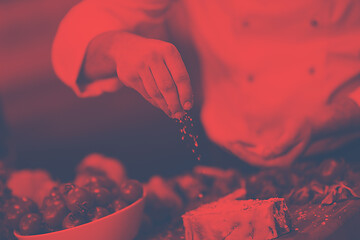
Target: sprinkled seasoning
189 135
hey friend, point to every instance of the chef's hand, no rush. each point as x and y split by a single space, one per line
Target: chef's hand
292 142
333 126
153 68
294 139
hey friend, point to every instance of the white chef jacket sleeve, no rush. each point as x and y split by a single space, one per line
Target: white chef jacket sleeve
355 96
87 20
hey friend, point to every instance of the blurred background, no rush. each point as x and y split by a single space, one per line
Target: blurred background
49 127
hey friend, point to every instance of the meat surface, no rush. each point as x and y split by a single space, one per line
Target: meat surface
232 219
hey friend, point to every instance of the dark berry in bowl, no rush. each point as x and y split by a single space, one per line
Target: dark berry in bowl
54 212
93 224
30 224
15 208
28 204
56 194
100 181
13 216
79 200
65 188
73 220
117 205
131 190
102 196
97 213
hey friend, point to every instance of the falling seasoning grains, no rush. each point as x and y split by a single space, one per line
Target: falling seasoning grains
189 135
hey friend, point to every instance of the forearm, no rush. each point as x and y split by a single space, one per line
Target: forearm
343 118
76 63
340 126
98 63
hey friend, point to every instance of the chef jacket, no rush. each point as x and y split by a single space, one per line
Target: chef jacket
265 64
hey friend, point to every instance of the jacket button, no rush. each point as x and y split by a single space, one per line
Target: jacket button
311 70
314 23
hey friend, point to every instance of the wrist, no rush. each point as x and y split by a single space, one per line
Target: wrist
338 118
99 62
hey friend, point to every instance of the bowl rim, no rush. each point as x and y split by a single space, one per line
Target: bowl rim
137 202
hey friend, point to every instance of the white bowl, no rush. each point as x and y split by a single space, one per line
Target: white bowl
123 224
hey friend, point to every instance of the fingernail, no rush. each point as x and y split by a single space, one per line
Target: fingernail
187 106
178 115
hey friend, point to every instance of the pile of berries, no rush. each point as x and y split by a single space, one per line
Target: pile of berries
69 205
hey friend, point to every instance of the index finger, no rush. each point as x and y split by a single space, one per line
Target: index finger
177 69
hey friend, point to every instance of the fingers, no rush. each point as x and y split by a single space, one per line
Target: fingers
153 90
160 77
167 88
136 83
180 76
